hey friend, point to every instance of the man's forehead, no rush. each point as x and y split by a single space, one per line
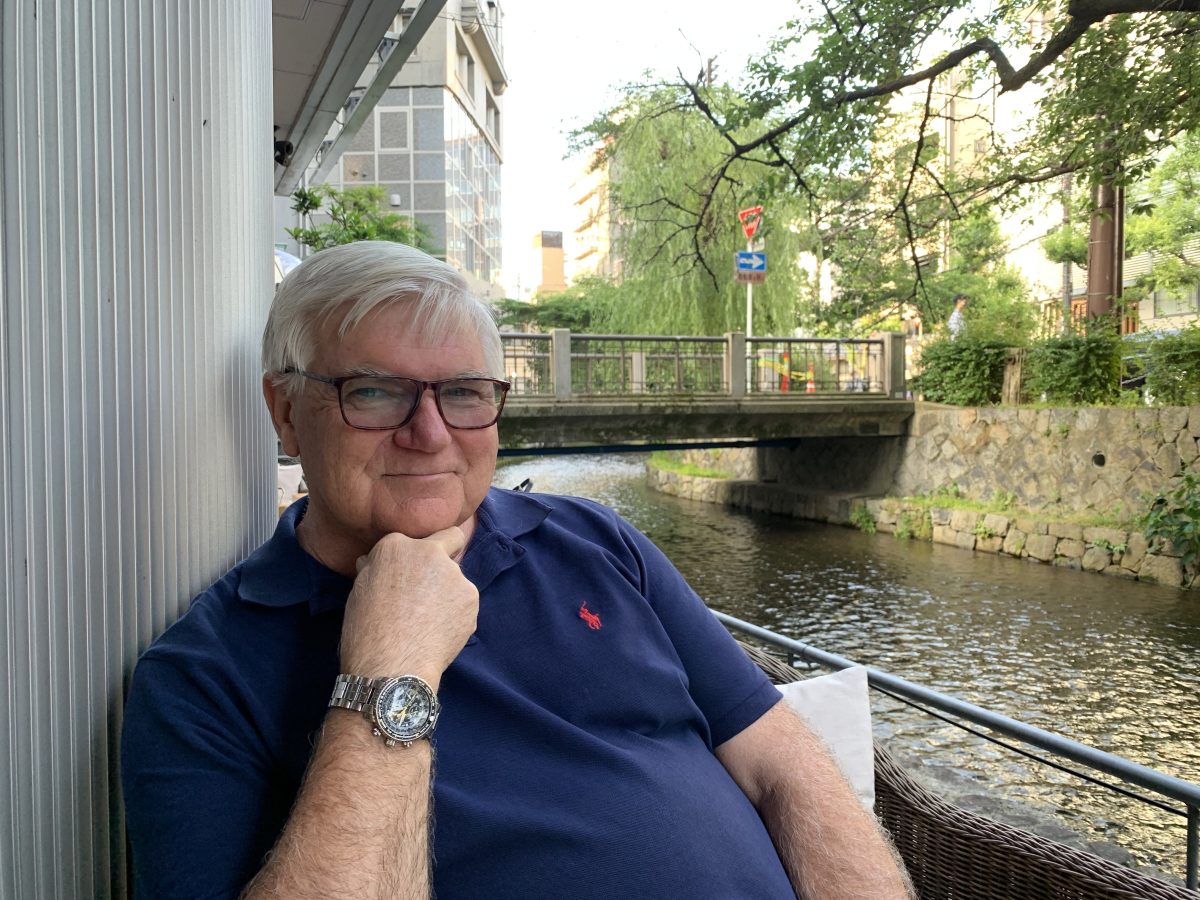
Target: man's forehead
450 334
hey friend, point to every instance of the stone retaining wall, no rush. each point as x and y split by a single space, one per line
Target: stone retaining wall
1110 551
1057 460
1057 463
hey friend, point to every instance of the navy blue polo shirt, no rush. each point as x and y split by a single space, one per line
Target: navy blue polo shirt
574 751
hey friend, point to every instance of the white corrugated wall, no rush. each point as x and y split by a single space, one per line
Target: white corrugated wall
136 463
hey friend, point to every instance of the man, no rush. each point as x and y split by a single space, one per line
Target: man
956 323
597 733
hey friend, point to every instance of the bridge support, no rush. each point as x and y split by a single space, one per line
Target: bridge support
560 354
735 363
893 366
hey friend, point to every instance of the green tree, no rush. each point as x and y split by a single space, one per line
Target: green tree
578 308
1110 84
353 214
678 229
1164 216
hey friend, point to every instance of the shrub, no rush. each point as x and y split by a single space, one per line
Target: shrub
1173 368
1076 368
965 372
861 518
1174 515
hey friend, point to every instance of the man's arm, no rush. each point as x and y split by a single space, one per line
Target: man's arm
360 825
830 845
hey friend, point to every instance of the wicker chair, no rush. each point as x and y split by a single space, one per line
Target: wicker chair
952 854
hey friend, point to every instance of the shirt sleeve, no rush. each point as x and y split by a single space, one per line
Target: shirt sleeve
198 804
730 690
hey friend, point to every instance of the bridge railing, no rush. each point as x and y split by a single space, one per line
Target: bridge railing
564 365
787 365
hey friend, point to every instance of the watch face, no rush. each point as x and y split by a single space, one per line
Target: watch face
405 709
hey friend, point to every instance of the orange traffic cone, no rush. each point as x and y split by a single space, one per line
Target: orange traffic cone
811 386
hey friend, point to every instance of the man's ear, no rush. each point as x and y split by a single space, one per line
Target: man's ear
281 407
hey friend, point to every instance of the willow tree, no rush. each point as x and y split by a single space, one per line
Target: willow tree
677 230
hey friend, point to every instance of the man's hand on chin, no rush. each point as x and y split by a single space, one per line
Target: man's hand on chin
411 609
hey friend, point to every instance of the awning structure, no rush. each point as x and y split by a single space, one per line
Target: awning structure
321 49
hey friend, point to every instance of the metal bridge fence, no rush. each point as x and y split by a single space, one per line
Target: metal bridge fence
815 366
564 365
528 364
637 364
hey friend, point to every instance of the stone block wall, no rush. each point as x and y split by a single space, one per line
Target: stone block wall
1061 461
1053 463
1110 551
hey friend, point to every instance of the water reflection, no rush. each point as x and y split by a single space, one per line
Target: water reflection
1109 662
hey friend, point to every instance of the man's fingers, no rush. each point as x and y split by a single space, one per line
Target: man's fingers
360 564
451 540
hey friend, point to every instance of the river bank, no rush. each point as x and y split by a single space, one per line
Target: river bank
1053 486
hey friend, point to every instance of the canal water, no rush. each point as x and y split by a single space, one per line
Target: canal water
1109 662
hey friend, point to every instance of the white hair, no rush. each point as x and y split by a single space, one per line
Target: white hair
350 281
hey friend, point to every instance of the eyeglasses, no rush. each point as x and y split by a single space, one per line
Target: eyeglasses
387 402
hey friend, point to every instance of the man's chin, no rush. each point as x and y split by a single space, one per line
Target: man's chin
423 517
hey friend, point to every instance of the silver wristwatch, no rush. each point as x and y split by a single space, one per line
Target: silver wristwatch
401 710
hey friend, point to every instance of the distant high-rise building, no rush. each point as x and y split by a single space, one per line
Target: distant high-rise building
432 141
594 225
551 245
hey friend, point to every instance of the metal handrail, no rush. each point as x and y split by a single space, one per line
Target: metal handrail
876 365
1135 773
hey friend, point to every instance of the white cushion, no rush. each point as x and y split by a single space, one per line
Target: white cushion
837 708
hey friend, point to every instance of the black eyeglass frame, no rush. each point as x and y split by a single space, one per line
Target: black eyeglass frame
422 385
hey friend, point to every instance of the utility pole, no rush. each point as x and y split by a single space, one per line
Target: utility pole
1067 281
1105 246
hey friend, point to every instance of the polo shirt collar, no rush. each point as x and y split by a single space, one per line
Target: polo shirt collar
281 573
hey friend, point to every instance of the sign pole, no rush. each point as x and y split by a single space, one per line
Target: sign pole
749 296
750 219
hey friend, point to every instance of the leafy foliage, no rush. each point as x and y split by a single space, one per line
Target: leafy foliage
1173 367
1076 368
861 518
1066 245
353 214
1174 515
677 227
854 85
875 276
578 308
1164 214
964 372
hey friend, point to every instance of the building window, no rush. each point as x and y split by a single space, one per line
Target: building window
493 118
1079 312
1177 303
466 67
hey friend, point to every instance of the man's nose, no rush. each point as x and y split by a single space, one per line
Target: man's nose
426 427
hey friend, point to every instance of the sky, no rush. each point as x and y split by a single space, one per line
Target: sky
565 62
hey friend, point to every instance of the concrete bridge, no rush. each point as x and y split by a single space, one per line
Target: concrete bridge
573 393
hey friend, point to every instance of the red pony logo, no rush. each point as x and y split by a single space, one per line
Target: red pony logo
593 620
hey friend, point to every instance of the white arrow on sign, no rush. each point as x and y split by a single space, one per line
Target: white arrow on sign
751 262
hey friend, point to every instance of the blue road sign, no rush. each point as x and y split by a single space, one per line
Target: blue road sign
748 261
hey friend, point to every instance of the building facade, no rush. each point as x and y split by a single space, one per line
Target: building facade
550 247
433 141
593 233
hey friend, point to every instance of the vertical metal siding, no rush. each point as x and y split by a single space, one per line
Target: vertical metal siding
136 461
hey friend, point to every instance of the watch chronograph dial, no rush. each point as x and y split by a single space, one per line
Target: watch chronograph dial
405 709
